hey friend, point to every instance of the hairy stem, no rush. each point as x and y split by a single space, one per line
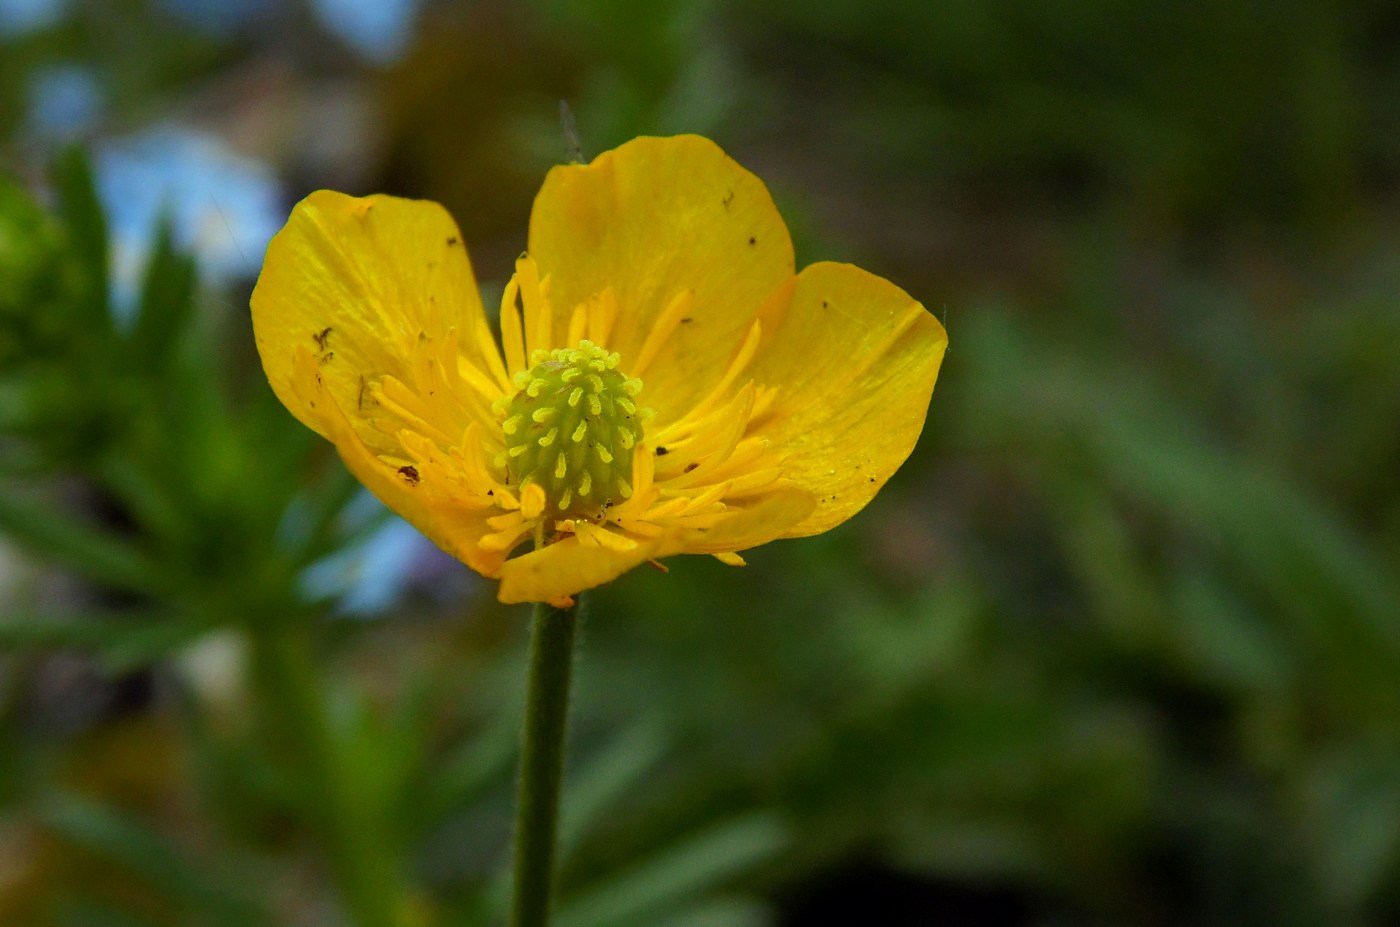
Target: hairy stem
552 632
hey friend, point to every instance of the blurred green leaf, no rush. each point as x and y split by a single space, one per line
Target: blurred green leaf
671 878
737 912
77 912
167 303
87 550
80 209
120 642
196 886
606 777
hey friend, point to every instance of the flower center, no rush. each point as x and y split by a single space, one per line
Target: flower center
572 429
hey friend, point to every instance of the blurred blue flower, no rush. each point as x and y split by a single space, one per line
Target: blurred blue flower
19 17
379 30
64 101
224 206
217 17
373 576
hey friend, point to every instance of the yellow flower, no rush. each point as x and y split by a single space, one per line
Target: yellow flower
665 382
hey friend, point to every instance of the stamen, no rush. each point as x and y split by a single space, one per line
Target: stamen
512 339
532 500
578 323
537 316
665 324
602 313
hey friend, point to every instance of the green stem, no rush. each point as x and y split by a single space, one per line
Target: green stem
542 761
295 699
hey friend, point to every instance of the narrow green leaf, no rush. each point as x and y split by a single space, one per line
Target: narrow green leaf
722 912
662 883
608 777
477 763
84 549
81 210
80 912
167 302
152 858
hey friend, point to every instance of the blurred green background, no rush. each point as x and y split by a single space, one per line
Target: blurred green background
1119 645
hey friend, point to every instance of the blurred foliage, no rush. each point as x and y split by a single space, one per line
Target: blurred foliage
1120 644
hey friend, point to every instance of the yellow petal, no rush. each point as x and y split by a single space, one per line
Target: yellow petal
357 282
773 517
853 359
654 219
564 569
554 573
454 527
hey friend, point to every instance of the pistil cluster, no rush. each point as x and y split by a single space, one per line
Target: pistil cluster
572 429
